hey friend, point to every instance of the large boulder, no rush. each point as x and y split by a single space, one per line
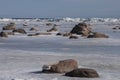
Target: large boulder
81 29
20 31
83 72
3 34
10 26
62 66
97 35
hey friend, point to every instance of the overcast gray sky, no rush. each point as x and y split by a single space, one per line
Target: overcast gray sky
60 8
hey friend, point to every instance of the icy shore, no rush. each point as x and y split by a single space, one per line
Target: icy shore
21 55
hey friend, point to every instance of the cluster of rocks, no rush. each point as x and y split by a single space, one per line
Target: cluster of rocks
81 29
116 28
71 36
86 31
10 29
70 68
10 26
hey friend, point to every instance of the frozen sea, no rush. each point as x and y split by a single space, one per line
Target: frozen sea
22 55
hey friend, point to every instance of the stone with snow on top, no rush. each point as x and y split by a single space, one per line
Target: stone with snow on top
62 66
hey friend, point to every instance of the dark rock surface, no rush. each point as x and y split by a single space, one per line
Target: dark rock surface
20 31
83 72
97 35
81 29
73 37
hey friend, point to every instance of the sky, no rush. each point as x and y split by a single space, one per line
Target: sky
59 8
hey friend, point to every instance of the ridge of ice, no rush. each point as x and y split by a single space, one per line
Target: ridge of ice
67 19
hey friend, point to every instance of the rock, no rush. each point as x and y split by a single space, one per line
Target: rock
116 28
48 24
97 35
20 31
81 29
43 33
3 34
83 72
33 29
59 34
66 34
63 66
10 26
36 34
25 24
10 33
52 29
55 25
73 37
31 35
